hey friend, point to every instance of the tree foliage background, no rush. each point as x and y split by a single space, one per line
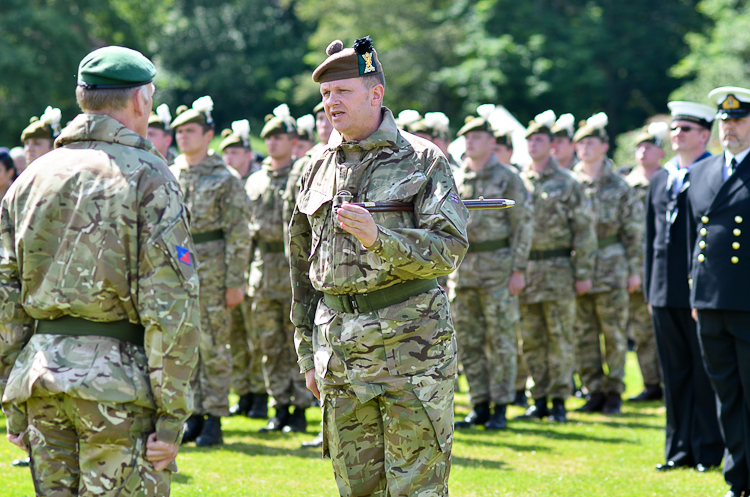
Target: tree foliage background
578 56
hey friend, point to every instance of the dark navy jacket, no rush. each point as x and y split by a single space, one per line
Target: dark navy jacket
718 225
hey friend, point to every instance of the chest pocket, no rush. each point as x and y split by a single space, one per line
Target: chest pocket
317 207
404 190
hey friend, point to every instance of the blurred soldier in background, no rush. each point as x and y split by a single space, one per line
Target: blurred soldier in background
560 266
39 136
563 148
219 214
160 132
603 310
484 289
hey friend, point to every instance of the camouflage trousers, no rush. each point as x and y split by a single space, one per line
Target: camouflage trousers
247 358
641 330
485 320
523 374
548 347
86 448
212 377
605 314
284 382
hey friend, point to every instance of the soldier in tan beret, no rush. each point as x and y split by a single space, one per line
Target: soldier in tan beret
39 136
374 334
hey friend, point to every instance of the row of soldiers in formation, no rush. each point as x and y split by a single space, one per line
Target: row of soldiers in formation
540 284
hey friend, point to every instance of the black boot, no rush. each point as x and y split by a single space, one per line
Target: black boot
242 407
521 400
498 420
193 427
558 412
594 404
612 404
479 415
650 392
538 411
211 434
297 422
278 422
260 407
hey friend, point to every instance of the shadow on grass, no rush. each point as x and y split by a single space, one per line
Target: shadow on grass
182 478
544 431
478 463
256 450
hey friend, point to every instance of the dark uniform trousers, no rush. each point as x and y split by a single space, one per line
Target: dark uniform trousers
720 271
692 428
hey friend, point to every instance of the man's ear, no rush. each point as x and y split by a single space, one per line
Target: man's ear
377 93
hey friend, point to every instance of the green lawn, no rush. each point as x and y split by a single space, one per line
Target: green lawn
591 455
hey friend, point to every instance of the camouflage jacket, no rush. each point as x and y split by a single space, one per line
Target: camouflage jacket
390 165
269 271
514 225
639 183
563 219
619 228
97 229
216 200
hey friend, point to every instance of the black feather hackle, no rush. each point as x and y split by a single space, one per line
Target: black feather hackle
363 45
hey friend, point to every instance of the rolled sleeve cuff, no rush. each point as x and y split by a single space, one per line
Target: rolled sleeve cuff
306 364
169 431
17 419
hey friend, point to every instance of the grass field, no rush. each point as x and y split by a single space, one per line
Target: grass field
591 455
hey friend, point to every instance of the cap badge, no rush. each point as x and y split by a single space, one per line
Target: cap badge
367 56
730 103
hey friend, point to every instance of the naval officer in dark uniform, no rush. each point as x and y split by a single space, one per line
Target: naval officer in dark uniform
718 202
692 430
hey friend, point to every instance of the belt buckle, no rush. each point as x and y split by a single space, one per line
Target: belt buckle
353 303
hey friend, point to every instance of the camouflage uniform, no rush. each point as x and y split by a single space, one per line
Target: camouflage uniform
270 287
604 309
385 376
217 203
112 246
563 222
247 358
640 326
485 314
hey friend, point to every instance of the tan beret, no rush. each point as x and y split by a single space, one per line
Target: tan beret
345 63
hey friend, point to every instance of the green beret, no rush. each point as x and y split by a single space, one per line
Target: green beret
278 125
346 63
475 124
115 67
319 108
230 140
37 129
504 138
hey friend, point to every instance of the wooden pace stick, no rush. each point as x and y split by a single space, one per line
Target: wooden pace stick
480 203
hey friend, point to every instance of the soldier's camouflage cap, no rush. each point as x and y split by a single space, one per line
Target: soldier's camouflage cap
345 63
115 67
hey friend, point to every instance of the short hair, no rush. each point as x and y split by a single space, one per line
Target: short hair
104 99
7 161
372 80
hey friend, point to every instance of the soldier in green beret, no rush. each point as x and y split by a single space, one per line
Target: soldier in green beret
160 132
219 211
374 333
484 290
269 278
563 148
247 358
603 311
96 356
559 267
39 136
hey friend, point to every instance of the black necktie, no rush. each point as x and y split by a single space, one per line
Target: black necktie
732 166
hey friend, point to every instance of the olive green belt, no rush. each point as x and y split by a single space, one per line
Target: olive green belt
610 240
78 327
208 236
489 245
379 299
541 255
271 247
